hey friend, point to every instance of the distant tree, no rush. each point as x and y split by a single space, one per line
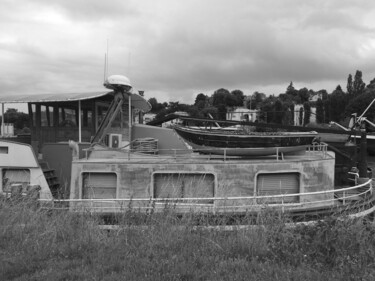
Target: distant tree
201 101
20 120
338 102
360 103
349 85
239 97
287 116
292 108
319 111
370 86
300 118
307 109
324 93
221 99
254 101
327 109
257 98
155 106
279 112
358 84
267 109
304 95
290 90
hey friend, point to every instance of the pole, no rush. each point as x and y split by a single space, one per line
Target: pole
130 118
362 165
79 122
2 120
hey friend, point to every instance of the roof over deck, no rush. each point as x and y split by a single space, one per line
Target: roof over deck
136 100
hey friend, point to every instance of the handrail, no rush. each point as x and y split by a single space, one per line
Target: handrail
207 152
214 199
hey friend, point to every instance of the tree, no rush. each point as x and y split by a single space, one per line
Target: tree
279 112
349 85
155 106
201 101
360 103
307 109
304 95
319 111
338 102
290 90
358 84
239 96
300 119
221 99
20 120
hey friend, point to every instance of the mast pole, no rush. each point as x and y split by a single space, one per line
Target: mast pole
79 122
2 120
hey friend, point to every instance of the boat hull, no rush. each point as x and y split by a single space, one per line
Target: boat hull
239 144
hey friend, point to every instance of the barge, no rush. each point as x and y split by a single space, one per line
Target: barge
106 163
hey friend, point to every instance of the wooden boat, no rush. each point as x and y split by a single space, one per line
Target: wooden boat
112 174
241 143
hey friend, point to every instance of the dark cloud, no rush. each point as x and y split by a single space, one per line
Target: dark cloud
175 49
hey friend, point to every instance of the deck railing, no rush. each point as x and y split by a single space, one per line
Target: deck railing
316 149
340 196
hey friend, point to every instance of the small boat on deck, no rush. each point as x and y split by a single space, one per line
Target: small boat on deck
241 143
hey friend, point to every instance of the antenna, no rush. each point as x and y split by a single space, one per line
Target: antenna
106 66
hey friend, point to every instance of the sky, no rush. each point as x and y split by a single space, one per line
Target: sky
175 49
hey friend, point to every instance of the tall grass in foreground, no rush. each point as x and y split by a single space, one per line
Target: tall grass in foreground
37 244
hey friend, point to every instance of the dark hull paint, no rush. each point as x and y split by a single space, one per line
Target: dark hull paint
238 144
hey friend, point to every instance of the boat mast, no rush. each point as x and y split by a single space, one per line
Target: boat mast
2 120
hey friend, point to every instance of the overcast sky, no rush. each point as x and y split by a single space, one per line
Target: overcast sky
176 49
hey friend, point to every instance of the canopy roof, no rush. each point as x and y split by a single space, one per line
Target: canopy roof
136 100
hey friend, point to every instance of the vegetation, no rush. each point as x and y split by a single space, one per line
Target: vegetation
36 244
20 120
336 106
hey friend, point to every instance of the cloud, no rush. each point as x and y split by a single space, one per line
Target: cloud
177 49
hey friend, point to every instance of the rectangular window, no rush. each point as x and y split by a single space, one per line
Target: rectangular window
184 185
99 185
46 113
276 184
15 176
4 150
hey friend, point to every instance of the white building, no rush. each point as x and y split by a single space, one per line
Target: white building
296 118
242 114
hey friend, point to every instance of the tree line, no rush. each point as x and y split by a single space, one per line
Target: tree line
335 106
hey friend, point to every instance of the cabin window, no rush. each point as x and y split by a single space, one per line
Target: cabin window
86 116
46 116
67 117
15 176
32 112
184 185
277 184
99 185
4 150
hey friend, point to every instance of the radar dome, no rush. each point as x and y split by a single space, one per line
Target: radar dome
118 82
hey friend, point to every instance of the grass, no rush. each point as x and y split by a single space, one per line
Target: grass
37 244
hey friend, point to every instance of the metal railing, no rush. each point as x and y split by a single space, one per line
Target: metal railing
340 196
317 149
